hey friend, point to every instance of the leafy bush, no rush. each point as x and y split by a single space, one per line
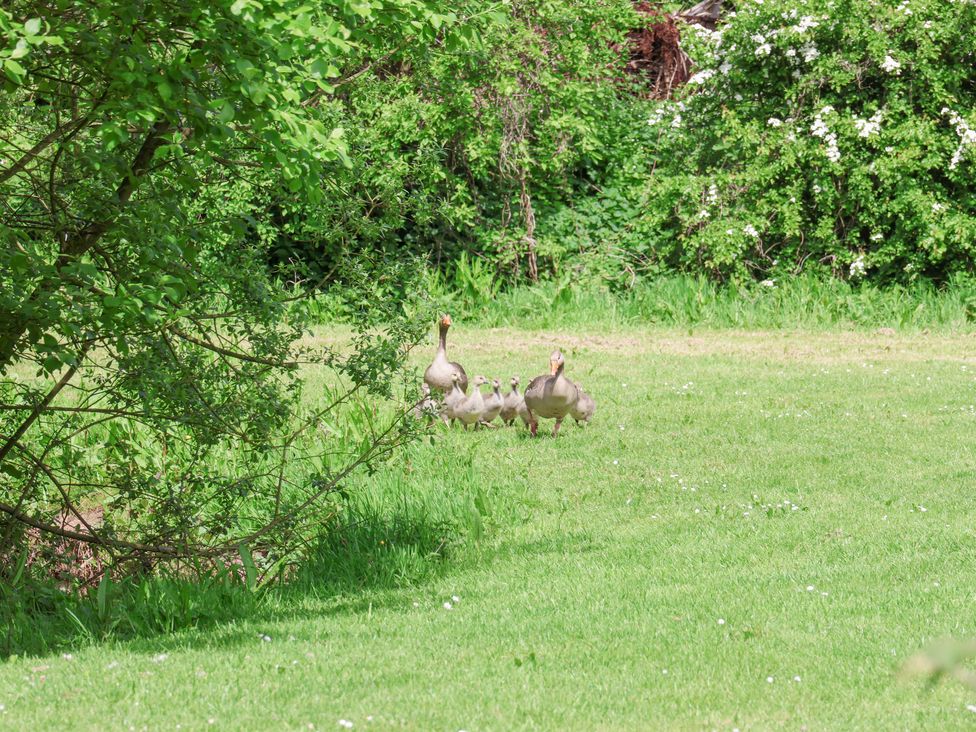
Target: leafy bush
833 138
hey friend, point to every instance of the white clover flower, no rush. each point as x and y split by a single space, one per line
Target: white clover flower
774 122
765 283
891 65
858 268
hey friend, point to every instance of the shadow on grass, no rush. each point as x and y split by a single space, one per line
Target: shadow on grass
368 555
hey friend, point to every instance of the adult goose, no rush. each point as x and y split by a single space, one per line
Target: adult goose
584 408
438 374
471 409
550 397
512 401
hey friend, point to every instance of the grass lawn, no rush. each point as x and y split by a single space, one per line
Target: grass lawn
754 533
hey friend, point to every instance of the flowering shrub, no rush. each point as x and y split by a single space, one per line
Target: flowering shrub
835 135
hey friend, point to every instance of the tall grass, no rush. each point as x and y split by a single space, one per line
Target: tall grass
682 301
802 303
388 531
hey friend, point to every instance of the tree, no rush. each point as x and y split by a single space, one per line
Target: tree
148 362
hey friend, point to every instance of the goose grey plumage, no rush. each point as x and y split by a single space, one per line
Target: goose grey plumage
512 402
584 408
438 374
493 404
426 407
470 410
454 397
550 397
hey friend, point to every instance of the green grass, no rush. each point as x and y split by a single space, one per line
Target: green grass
807 301
606 557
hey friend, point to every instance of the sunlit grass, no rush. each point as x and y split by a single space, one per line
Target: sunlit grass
811 492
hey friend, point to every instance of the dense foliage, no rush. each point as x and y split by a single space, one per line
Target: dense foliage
834 134
151 400
828 138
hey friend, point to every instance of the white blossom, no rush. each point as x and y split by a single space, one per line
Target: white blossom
702 76
820 129
858 268
891 65
763 49
750 230
868 127
806 23
967 136
810 53
774 122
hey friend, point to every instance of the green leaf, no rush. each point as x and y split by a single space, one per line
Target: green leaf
250 570
32 27
15 71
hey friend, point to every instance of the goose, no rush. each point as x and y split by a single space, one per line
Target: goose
550 397
426 406
584 408
513 400
493 403
454 397
470 410
438 374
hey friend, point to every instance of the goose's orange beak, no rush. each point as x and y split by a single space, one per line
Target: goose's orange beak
553 367
446 321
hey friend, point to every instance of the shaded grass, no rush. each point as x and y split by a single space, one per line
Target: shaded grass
588 565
